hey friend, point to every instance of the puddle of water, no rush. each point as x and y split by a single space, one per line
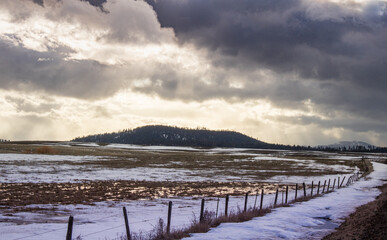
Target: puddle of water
326 223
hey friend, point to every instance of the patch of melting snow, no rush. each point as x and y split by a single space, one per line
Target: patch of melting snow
105 219
326 223
85 144
154 148
311 219
305 220
61 168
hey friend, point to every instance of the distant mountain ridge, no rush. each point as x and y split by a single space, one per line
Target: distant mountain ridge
174 136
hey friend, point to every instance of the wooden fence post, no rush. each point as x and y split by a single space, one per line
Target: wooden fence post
295 197
262 193
169 217
217 208
342 181
311 191
70 228
329 182
287 191
349 181
201 218
333 185
318 188
303 184
128 236
338 183
276 197
325 181
255 202
246 197
226 206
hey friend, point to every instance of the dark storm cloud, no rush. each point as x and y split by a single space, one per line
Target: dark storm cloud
96 3
282 36
39 2
338 54
26 69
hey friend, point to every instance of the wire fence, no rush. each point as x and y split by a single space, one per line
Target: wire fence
261 200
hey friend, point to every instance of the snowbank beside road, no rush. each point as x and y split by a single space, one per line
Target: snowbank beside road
307 220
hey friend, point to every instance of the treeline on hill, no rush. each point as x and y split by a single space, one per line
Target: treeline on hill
174 136
348 149
353 149
200 137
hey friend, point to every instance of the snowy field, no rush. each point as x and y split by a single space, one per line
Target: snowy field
104 220
306 220
64 168
312 219
174 164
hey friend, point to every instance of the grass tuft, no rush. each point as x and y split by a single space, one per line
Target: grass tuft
209 221
46 150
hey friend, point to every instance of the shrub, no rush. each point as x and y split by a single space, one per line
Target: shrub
46 150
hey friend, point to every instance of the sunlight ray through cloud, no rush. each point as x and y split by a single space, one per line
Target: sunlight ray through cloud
297 67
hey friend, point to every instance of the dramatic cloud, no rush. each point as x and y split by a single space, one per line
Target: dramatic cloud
335 51
71 48
288 71
26 69
286 36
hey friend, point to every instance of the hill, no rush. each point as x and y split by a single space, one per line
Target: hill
174 136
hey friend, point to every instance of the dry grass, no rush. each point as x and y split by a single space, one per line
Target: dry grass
209 221
198 163
46 150
88 192
201 163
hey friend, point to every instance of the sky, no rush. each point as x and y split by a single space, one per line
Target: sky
305 72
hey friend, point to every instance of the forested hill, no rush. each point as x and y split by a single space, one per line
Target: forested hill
173 136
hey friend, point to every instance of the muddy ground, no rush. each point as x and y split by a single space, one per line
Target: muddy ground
367 222
88 192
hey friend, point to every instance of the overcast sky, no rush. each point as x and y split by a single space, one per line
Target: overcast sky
305 72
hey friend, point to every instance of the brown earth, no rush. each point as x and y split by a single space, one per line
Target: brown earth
367 222
88 192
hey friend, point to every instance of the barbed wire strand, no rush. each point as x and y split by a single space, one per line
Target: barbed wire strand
145 220
104 230
115 215
38 234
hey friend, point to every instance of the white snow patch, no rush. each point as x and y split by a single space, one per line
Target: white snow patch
67 168
310 220
307 220
151 148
